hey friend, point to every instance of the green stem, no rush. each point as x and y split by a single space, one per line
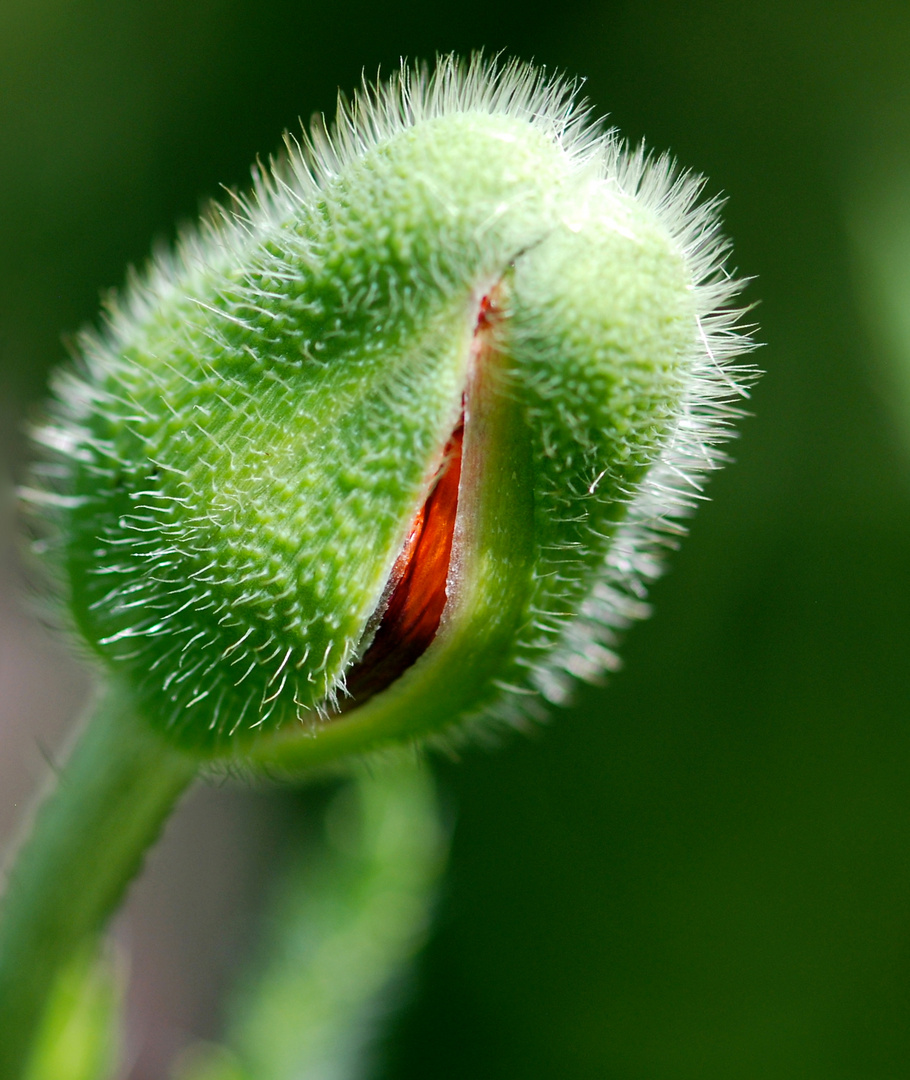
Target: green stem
87 843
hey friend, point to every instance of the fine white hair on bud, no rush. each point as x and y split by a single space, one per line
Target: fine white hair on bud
397 442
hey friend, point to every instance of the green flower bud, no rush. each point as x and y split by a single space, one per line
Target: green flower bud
395 444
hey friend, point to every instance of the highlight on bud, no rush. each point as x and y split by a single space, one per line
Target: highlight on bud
395 443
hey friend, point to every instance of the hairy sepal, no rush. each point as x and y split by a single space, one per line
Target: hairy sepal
564 379
246 447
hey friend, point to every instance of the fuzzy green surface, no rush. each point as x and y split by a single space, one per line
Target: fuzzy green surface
263 419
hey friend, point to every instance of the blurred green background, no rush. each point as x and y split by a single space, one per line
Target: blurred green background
703 870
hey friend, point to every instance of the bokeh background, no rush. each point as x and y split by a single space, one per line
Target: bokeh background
703 870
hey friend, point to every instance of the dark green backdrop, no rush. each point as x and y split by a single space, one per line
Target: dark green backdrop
702 871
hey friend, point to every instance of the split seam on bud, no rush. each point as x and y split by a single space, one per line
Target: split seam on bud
397 442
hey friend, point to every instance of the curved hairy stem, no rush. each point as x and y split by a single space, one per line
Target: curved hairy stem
88 842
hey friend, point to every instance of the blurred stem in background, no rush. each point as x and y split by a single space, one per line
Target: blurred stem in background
878 219
80 1036
341 935
339 939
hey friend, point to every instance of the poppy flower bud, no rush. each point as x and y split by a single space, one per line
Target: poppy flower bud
395 443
